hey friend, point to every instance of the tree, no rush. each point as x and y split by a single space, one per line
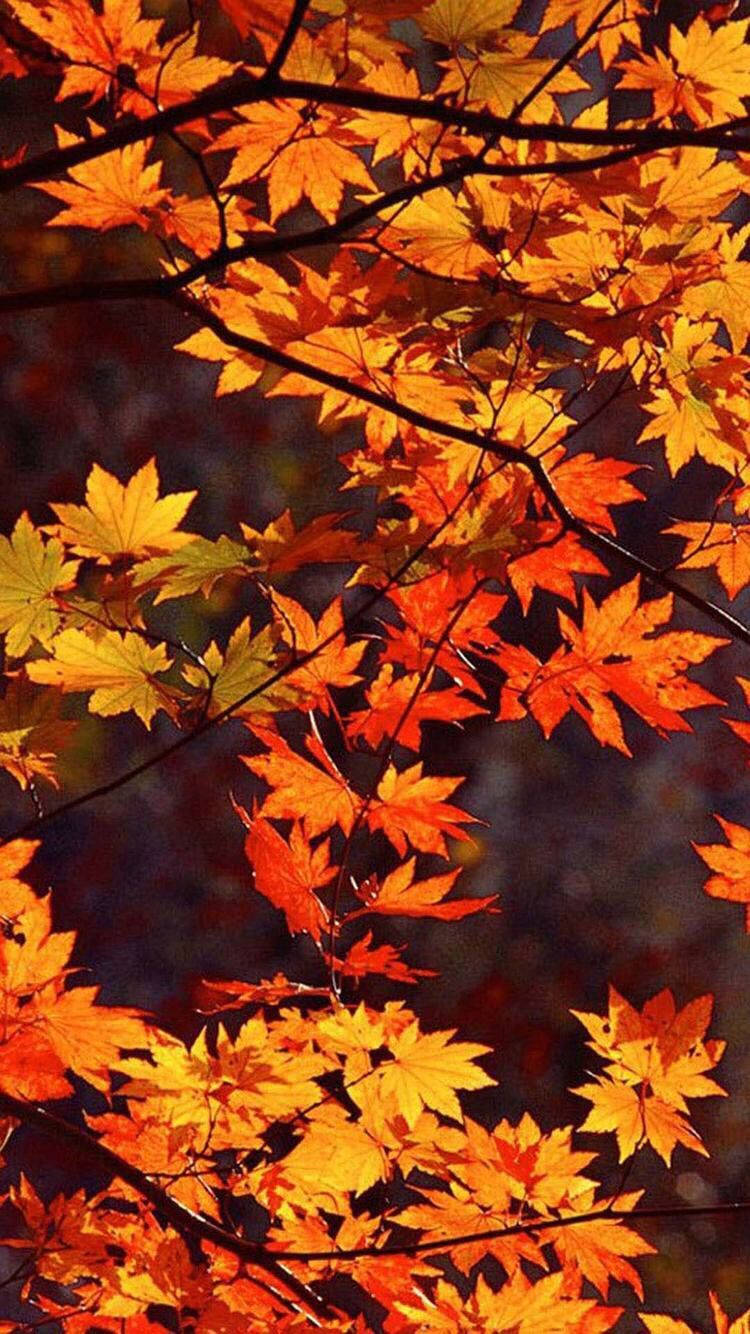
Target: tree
499 247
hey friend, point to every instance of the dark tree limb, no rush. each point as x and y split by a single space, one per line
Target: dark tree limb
600 542
190 1224
184 1220
246 91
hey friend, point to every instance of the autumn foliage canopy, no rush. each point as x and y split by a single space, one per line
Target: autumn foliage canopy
463 232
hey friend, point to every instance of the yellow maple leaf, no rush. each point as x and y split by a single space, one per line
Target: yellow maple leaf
656 1059
426 1070
499 79
245 666
689 184
704 77
466 22
30 573
123 520
119 668
436 233
725 290
110 191
199 565
335 1155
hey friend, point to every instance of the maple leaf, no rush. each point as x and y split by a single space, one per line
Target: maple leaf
273 141
49 1030
315 794
31 571
356 353
334 662
689 425
702 79
391 136
601 1250
95 43
551 566
123 520
724 545
426 1071
245 667
608 38
441 1216
466 22
656 1059
437 233
199 566
689 184
410 809
388 700
120 669
362 960
501 77
335 1155
288 873
115 190
588 486
612 654
281 549
520 1307
212 995
196 221
725 287
730 864
426 607
666 1324
399 894
31 732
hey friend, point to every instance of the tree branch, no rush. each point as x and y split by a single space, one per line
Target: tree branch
263 246
287 41
184 1220
600 542
247 91
190 1224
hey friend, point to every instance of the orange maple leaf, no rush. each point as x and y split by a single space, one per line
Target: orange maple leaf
590 486
315 794
115 190
400 895
333 665
363 959
613 653
723 545
730 864
288 874
397 709
551 566
410 809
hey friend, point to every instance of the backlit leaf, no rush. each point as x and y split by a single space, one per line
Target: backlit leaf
121 670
